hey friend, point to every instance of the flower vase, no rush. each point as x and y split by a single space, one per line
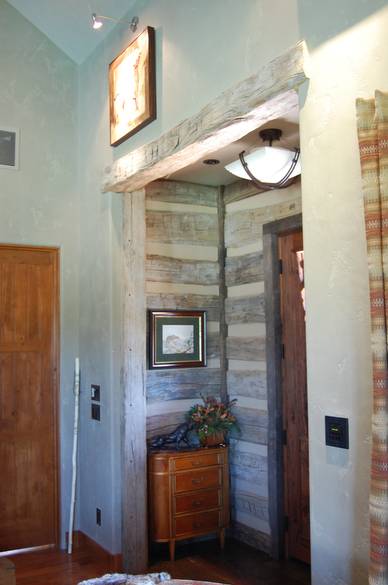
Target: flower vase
213 440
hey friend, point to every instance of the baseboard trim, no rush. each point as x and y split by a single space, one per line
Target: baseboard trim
81 540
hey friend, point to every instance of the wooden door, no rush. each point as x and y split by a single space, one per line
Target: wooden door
294 396
28 396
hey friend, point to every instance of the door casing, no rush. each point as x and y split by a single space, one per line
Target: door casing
271 233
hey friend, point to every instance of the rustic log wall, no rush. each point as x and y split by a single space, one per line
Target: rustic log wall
182 272
246 212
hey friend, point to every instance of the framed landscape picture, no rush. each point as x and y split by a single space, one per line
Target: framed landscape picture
132 94
177 339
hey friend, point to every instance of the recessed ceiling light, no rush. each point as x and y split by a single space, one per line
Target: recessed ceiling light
211 161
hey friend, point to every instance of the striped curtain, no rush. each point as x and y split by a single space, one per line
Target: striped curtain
372 122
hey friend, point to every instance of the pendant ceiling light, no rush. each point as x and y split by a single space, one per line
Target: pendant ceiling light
268 167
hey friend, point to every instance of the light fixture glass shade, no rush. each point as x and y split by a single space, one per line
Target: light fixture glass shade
269 164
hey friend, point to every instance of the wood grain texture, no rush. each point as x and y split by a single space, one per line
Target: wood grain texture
134 448
253 425
173 270
182 192
223 294
252 537
192 503
160 424
175 227
252 384
245 348
239 190
213 345
239 564
185 383
29 374
249 467
245 309
250 504
244 269
246 227
208 303
267 95
274 369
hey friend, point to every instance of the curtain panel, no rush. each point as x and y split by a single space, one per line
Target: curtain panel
372 123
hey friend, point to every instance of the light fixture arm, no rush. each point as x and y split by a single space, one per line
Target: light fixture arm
282 184
132 24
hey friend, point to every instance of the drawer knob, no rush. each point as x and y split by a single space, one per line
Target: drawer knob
196 463
197 503
197 524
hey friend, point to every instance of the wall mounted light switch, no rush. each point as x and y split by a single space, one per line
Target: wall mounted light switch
96 412
95 392
337 432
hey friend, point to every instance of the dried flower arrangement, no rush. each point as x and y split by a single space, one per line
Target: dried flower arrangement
212 419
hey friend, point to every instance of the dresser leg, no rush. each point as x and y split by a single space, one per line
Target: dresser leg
222 538
171 545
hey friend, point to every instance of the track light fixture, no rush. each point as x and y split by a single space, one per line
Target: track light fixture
97 21
277 167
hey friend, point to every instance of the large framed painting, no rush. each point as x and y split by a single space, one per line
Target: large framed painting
132 92
177 339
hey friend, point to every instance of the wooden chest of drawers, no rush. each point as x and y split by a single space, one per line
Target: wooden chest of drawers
188 494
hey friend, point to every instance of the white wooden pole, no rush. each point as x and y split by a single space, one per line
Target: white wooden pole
74 459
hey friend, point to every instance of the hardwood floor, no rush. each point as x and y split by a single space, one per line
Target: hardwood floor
236 565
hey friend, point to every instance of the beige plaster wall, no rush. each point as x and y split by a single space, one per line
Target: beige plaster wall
39 202
349 65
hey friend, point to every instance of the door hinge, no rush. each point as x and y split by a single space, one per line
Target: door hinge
284 436
283 351
286 523
280 266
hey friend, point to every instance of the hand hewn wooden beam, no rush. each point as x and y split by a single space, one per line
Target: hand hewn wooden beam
133 447
269 94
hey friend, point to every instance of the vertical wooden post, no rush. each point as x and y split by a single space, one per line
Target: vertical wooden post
134 448
222 294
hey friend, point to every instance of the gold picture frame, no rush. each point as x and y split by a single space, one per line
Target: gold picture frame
132 93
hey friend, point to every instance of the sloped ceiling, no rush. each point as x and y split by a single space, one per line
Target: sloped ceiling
67 23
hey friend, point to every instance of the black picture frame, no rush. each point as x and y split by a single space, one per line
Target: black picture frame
177 339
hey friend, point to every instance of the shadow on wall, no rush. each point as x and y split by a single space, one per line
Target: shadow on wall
321 21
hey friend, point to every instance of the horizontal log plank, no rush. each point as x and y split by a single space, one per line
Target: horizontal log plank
182 192
187 383
251 475
251 416
213 345
251 434
249 467
208 303
266 95
239 190
173 270
245 309
161 424
171 227
254 538
245 348
250 383
246 227
250 504
244 269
